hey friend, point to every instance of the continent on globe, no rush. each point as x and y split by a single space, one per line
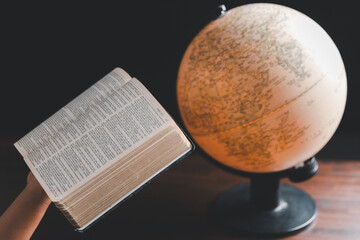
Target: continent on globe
262 88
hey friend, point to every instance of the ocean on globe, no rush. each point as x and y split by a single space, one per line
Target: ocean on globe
262 88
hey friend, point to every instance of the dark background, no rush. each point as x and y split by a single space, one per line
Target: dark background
52 51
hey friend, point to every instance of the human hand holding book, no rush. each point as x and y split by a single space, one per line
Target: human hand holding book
23 216
101 147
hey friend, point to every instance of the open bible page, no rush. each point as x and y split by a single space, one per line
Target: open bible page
112 117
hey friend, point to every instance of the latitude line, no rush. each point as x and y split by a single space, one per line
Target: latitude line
266 115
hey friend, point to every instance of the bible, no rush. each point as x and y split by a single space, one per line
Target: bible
102 147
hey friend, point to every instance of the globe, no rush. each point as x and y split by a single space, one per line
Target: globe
262 88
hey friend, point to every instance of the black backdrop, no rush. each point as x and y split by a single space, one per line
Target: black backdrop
52 51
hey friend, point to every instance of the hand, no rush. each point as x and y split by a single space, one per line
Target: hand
34 186
21 219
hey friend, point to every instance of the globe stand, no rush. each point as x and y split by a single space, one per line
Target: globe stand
265 207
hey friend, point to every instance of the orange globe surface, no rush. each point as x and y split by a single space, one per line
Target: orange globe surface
262 88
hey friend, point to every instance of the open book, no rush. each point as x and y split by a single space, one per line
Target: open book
101 147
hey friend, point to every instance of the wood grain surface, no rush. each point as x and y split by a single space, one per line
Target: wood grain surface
175 205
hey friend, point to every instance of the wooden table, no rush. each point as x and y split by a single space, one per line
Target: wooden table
175 205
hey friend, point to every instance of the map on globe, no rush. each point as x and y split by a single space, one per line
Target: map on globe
262 88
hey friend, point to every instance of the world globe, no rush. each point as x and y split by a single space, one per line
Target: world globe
262 88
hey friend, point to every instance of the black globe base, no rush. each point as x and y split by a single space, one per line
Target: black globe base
264 207
233 209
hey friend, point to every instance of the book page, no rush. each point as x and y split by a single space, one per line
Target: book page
112 117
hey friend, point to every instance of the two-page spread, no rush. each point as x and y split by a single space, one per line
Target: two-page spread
102 146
